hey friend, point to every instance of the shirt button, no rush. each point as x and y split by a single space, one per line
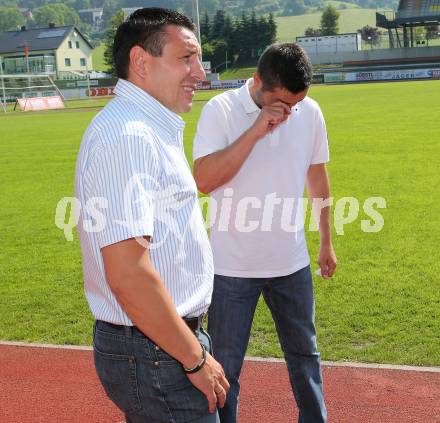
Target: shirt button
156 363
157 348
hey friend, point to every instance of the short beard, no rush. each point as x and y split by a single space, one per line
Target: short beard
259 98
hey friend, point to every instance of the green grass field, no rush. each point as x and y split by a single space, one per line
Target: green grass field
382 306
237 73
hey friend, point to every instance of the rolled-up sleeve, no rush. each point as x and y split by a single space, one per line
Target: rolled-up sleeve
211 131
320 147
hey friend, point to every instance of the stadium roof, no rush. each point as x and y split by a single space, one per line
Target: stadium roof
418 11
36 38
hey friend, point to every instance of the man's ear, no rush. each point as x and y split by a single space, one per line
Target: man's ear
258 83
138 61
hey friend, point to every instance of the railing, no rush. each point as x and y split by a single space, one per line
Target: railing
71 75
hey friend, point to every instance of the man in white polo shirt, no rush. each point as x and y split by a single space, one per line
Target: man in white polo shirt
255 150
147 261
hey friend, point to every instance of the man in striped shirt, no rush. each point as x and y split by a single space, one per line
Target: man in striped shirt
147 261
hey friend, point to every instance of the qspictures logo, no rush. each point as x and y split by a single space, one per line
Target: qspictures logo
241 214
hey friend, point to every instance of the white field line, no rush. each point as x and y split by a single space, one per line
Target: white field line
254 359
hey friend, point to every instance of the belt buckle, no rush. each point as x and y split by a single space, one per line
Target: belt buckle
195 323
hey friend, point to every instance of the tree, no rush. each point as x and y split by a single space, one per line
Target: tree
244 36
11 18
56 13
370 34
9 3
329 21
262 35
205 26
293 7
240 39
210 5
266 33
110 8
254 31
229 33
312 32
115 21
272 29
218 58
218 25
207 51
83 4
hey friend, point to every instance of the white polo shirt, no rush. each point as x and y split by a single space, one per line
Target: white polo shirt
257 218
132 180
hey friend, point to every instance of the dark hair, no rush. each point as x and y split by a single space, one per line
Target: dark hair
285 66
145 28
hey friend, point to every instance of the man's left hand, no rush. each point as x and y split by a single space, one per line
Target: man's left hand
327 261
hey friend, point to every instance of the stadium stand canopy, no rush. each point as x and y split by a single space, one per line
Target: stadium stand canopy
410 14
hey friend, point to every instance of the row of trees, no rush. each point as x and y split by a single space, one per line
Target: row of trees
62 13
236 40
234 7
223 38
58 13
11 18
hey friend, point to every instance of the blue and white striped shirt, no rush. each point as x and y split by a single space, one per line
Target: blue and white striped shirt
132 180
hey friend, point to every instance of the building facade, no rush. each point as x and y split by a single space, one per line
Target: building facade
339 43
55 50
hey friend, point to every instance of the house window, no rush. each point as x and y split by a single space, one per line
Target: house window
70 44
82 62
67 62
77 44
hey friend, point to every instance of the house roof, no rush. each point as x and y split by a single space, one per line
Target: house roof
36 38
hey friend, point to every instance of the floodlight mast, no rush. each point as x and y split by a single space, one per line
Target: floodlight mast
3 86
196 19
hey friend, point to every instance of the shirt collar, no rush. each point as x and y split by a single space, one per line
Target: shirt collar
171 122
246 99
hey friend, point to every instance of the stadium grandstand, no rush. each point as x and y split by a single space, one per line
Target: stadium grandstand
410 14
410 54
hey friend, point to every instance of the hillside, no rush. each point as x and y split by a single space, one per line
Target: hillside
290 27
350 20
234 7
98 58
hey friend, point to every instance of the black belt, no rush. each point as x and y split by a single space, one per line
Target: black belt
194 323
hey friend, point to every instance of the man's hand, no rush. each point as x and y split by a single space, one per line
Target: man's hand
269 118
212 382
327 261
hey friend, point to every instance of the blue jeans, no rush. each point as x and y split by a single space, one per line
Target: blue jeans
290 300
146 383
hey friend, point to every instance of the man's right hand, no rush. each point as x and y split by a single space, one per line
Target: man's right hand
211 380
269 118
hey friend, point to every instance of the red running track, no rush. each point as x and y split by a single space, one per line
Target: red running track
45 385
